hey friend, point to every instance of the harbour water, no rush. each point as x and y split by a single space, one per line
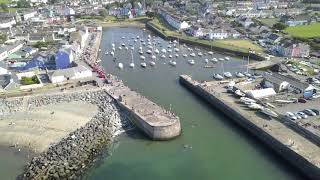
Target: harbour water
210 147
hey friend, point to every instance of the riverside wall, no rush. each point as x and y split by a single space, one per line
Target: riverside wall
295 159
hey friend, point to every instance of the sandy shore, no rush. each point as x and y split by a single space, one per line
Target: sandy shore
40 127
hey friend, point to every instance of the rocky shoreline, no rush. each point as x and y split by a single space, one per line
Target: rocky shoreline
68 158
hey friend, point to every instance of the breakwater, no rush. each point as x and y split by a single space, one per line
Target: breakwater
301 154
222 50
156 122
68 158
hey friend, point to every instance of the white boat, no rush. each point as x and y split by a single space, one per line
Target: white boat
142 57
149 43
269 112
169 50
247 100
191 62
106 53
112 44
122 37
221 59
185 55
175 41
123 44
176 49
144 43
169 46
189 49
131 65
173 63
214 60
135 40
239 74
217 76
210 52
112 53
200 54
239 93
227 58
163 50
149 51
143 64
227 74
163 56
192 54
140 52
152 63
120 47
170 56
138 37
156 51
206 61
247 74
132 48
255 106
150 47
120 66
177 55
153 57
140 47
149 36
126 48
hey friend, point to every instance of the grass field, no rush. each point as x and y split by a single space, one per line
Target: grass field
4 1
269 21
241 43
306 31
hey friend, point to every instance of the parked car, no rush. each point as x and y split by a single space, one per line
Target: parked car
316 111
298 116
291 116
309 112
303 115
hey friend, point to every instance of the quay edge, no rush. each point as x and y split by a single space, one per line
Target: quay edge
154 121
297 160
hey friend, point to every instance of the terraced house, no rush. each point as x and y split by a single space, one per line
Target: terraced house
173 20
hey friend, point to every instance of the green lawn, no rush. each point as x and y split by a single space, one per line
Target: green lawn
269 21
305 31
4 1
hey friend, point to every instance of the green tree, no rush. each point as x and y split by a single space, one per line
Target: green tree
23 4
103 13
150 14
279 26
3 37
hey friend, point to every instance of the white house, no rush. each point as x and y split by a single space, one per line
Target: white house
7 23
26 15
3 53
75 73
173 20
218 34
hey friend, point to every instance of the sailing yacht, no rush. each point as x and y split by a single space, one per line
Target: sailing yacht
217 76
173 63
184 55
239 74
156 51
152 63
227 74
120 66
214 60
142 57
227 58
210 53
143 64
192 54
191 62
206 61
132 63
